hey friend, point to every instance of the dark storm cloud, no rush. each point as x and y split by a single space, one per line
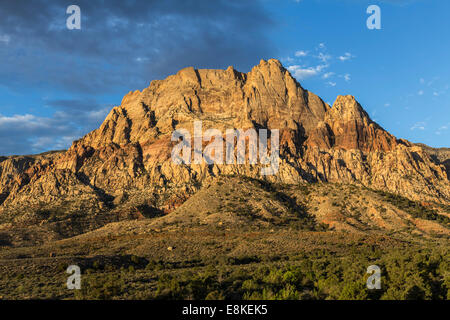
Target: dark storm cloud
127 42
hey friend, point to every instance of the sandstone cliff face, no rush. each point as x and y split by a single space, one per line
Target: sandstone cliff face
127 159
349 127
439 155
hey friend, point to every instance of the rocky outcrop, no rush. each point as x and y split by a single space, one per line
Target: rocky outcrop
350 127
439 155
127 159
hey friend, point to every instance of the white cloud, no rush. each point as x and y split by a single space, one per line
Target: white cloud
432 81
5 38
324 57
442 128
42 142
304 64
346 56
418 126
301 53
22 121
435 89
287 60
63 142
141 59
98 115
387 104
34 134
300 72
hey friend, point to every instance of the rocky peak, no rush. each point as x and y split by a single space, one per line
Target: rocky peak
131 149
346 108
267 96
348 126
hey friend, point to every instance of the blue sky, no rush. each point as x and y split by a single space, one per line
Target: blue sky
58 84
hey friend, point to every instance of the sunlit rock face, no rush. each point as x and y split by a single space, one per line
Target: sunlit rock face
129 156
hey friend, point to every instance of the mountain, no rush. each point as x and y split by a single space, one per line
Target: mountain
439 155
123 170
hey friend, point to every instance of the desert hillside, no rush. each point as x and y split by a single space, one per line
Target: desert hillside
126 163
347 194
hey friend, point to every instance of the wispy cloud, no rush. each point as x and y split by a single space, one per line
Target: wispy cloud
34 133
305 64
418 126
346 56
442 129
300 72
433 86
324 57
301 53
4 39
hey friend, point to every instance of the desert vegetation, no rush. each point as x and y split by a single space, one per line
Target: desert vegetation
319 274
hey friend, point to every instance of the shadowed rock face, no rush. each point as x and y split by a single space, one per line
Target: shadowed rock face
130 152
